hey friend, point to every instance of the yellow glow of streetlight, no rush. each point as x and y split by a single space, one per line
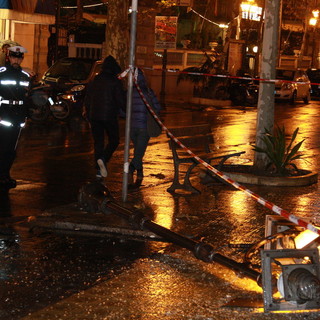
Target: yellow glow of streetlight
313 21
250 10
315 13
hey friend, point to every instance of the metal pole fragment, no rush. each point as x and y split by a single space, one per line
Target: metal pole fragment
98 196
201 250
134 7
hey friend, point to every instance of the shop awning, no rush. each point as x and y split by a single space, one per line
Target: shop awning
30 6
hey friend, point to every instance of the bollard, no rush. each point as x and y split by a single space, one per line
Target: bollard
95 197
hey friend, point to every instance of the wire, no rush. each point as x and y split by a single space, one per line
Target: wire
272 238
86 6
217 24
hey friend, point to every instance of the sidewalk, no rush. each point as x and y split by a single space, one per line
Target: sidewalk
168 282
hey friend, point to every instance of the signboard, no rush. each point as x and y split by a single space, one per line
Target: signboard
235 56
166 32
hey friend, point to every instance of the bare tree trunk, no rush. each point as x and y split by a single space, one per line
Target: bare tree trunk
265 117
117 31
79 12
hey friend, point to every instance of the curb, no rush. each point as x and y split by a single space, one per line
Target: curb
297 181
211 102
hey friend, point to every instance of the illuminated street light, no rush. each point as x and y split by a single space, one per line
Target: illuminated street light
223 26
250 10
314 19
315 13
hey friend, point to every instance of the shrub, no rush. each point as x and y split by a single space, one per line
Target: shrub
279 154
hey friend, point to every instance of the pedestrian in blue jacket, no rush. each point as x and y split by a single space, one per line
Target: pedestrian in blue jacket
139 134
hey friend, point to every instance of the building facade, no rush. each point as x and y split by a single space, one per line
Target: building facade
27 23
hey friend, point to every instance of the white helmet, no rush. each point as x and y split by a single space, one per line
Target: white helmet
17 51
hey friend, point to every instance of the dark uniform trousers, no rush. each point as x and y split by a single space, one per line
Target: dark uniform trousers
8 140
99 129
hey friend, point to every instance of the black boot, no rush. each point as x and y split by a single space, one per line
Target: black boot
140 174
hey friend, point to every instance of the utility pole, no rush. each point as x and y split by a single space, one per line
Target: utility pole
133 32
265 115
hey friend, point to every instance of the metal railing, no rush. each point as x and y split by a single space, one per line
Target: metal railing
85 50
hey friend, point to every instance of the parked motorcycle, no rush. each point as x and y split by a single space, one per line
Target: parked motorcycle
45 101
244 92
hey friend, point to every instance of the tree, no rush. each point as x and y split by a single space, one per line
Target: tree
265 116
117 31
118 27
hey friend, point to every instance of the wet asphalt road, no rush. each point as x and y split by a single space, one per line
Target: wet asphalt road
47 276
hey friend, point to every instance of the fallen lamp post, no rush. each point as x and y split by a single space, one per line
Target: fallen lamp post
95 197
286 270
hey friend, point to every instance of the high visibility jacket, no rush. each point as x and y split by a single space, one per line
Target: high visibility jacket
14 88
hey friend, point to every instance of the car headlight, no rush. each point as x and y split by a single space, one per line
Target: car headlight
78 87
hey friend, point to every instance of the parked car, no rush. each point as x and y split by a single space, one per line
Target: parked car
292 85
314 77
67 74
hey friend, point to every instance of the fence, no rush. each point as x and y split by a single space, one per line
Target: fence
291 62
85 50
179 59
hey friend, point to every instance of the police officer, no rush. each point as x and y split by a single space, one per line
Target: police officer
14 87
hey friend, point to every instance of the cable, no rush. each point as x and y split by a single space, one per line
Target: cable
85 6
272 238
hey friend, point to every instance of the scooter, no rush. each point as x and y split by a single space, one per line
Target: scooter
244 92
46 100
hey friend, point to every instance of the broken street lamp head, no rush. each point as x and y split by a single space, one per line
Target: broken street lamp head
303 286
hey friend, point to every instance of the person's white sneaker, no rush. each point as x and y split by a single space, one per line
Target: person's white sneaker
103 169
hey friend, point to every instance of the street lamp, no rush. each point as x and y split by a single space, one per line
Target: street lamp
313 22
250 10
224 28
314 19
290 266
250 14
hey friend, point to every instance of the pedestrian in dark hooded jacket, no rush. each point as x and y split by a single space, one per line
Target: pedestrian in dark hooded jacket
104 99
139 133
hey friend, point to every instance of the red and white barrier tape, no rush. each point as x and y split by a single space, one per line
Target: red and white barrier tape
228 76
262 201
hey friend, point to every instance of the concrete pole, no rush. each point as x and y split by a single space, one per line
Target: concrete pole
265 115
132 50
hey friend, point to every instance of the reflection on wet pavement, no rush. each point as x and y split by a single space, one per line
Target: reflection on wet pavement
46 276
